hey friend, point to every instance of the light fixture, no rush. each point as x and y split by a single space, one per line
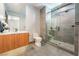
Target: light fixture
13 18
2 17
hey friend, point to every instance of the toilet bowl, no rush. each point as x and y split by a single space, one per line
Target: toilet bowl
37 39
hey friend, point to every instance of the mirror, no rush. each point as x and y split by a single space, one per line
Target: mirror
14 17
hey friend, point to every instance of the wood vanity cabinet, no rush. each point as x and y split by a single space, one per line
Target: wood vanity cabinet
13 41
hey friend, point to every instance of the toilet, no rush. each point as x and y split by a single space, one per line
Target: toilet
37 39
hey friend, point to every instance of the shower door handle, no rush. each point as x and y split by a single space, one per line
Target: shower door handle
73 25
58 28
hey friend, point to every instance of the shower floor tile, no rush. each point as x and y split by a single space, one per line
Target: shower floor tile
63 44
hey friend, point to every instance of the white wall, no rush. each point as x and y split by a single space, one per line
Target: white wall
2 11
32 20
22 23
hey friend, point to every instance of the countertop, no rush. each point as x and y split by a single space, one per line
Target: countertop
14 32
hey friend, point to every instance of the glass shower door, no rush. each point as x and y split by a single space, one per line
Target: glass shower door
60 28
65 30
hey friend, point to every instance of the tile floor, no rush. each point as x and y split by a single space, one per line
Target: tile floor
46 50
32 50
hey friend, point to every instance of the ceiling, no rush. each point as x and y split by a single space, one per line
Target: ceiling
41 5
20 7
15 7
38 5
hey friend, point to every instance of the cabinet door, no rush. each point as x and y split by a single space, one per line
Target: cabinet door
1 44
26 38
12 42
16 39
23 39
6 43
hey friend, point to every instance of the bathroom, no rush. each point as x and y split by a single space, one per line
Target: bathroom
53 23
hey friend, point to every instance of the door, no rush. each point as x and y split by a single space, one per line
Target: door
61 31
65 28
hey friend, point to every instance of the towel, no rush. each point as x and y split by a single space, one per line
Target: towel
1 27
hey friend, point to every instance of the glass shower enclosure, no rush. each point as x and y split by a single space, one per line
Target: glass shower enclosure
60 26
